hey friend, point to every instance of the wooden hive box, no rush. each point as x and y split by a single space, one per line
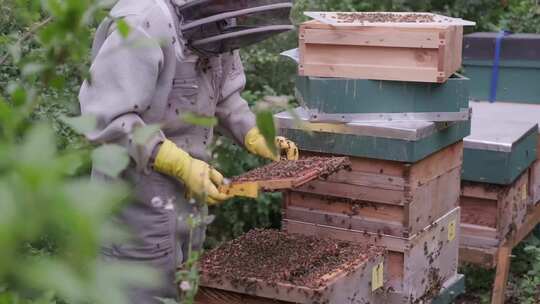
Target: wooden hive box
534 179
501 211
417 266
490 214
385 197
429 53
360 280
344 286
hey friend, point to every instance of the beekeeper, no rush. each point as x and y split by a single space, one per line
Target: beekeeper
178 57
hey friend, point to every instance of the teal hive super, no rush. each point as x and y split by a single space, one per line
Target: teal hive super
499 151
450 100
519 68
408 141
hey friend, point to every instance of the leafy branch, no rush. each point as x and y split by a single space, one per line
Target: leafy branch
29 34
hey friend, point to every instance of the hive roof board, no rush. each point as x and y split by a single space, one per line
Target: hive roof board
502 144
405 141
507 111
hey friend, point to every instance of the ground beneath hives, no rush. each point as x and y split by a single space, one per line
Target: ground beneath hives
275 257
287 169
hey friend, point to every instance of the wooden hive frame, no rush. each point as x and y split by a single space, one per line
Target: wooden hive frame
252 188
416 264
515 212
385 197
382 53
343 286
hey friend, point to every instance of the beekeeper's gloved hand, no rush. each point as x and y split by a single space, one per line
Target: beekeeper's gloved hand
201 180
256 144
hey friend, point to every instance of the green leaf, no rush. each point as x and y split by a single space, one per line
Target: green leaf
199 120
96 198
71 162
113 277
123 28
18 94
143 135
49 274
7 204
110 160
39 146
266 124
81 124
167 301
5 111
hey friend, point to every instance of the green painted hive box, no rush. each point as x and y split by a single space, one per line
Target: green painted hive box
519 68
345 100
498 150
406 141
519 112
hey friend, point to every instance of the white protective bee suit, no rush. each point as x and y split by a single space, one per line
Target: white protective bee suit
151 77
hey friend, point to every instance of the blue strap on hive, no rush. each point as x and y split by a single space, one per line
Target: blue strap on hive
496 63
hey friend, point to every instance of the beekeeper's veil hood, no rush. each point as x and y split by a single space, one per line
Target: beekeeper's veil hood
213 27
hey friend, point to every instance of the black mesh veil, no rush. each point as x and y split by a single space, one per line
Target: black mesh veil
218 26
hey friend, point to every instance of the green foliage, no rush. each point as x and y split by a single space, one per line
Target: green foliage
198 120
111 160
524 282
479 282
239 214
525 279
522 16
265 123
53 222
187 277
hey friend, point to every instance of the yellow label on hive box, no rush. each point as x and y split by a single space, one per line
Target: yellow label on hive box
452 230
377 276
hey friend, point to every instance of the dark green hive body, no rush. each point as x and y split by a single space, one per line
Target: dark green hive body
499 151
519 68
335 95
396 141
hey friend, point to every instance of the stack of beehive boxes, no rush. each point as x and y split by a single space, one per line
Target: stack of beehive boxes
388 98
500 181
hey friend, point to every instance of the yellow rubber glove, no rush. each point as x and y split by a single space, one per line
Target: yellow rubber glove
256 144
201 181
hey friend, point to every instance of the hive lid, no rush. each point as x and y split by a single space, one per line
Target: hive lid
495 134
506 111
429 20
298 119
